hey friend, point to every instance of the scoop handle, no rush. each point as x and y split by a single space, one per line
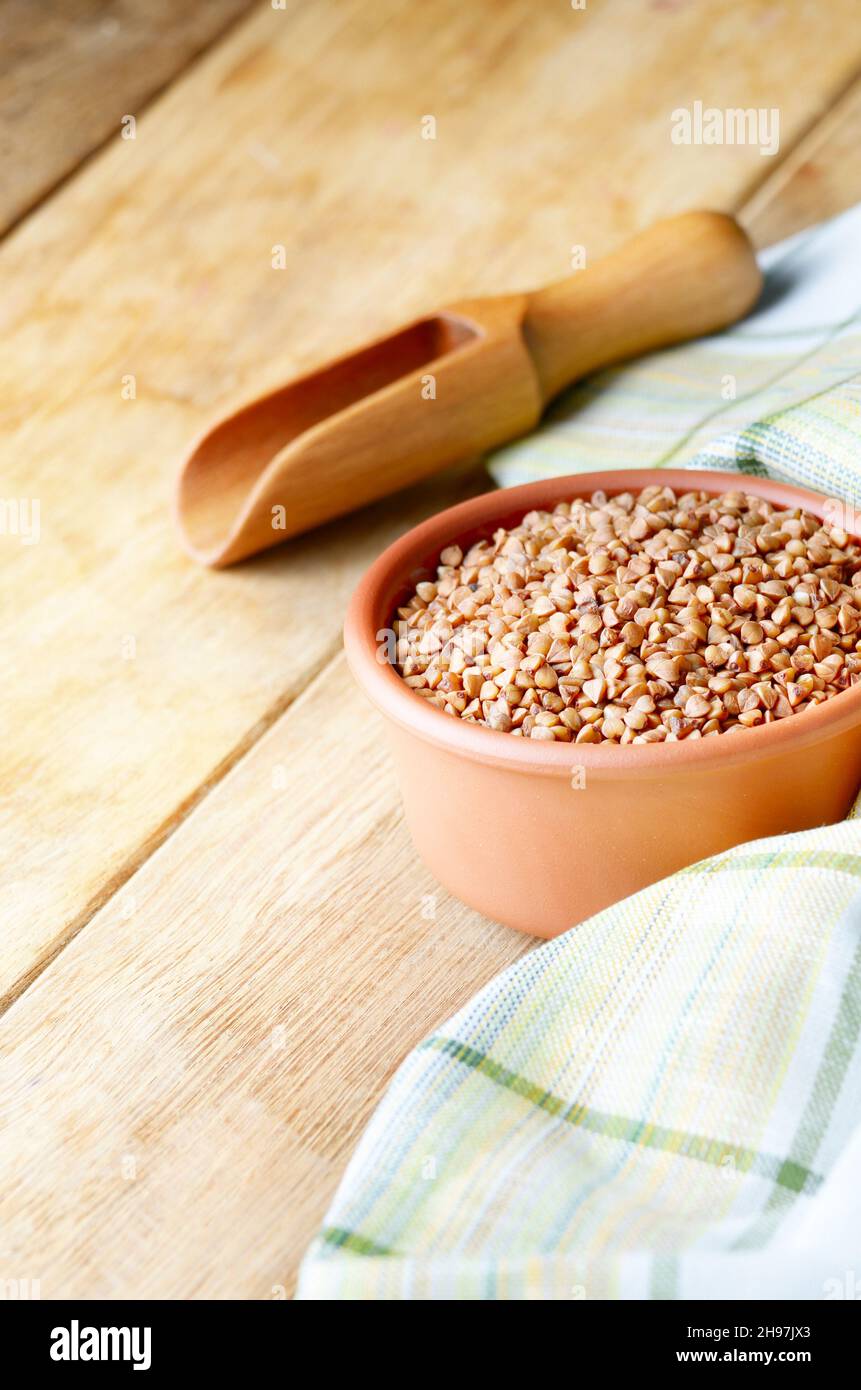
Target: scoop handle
683 277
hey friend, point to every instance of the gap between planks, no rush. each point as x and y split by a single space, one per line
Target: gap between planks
830 130
169 826
56 186
762 192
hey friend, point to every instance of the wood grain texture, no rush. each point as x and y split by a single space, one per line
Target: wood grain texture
162 1136
72 69
819 178
134 678
229 1021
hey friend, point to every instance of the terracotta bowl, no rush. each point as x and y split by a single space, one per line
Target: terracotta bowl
540 836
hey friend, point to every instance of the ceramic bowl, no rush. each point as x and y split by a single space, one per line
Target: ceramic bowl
541 835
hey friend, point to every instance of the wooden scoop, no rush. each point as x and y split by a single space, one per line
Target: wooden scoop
450 386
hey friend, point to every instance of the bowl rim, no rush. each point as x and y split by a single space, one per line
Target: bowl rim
396 570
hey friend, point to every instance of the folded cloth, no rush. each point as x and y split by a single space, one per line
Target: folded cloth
663 1102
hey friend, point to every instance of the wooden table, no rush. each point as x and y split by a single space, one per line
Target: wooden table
217 944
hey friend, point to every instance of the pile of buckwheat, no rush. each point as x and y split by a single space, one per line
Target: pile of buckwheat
638 619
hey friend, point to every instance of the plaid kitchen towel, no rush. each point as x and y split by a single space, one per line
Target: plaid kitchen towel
666 1101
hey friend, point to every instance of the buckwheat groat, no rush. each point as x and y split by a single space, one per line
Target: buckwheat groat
638 619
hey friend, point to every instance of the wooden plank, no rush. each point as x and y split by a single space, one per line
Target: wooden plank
72 71
136 679
183 1086
226 1024
820 178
